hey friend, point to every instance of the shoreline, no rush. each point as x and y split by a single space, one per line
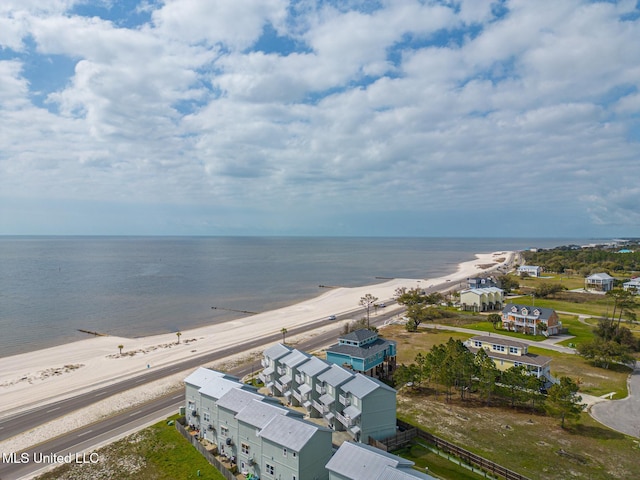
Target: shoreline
54 373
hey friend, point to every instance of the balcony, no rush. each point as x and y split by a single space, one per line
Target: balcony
282 370
299 378
297 396
320 407
321 389
346 421
264 362
344 400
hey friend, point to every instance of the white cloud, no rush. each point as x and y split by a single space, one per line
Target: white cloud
404 106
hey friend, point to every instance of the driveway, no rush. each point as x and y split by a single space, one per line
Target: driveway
622 415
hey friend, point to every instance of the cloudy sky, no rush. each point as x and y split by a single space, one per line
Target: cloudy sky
342 117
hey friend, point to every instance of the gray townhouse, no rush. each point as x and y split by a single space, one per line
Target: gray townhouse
327 387
355 461
272 368
295 449
288 365
366 408
306 379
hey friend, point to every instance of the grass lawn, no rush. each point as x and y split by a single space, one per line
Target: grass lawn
533 445
434 464
155 453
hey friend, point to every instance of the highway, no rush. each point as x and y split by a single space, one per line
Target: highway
99 433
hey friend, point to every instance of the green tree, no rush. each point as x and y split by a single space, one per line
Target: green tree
407 297
605 352
515 381
178 334
495 319
120 347
367 302
488 373
283 331
563 401
407 375
508 283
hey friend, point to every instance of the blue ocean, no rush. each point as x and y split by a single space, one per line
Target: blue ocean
50 287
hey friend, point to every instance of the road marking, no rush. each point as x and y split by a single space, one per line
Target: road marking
176 397
135 413
98 394
85 433
53 410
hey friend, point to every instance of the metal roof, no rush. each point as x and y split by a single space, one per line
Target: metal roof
295 358
335 376
237 399
292 433
359 335
314 366
363 462
361 386
202 375
364 351
218 387
258 413
277 351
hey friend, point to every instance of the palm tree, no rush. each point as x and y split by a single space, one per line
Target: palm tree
120 347
284 334
178 334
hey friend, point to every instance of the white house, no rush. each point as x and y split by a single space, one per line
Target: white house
632 285
531 270
482 299
599 282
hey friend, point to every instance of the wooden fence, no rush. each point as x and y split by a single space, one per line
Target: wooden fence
408 432
205 453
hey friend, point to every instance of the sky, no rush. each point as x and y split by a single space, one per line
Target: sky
345 117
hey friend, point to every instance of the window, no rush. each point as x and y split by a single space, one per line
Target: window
477 343
498 348
192 406
224 431
206 417
270 469
245 448
284 452
513 350
294 454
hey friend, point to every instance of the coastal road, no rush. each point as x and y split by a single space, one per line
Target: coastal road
99 433
34 417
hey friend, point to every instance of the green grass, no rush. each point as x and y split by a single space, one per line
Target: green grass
155 453
434 464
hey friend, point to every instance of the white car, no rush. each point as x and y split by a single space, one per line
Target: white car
332 317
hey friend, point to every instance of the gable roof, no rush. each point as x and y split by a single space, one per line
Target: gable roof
236 399
203 375
364 462
218 387
292 433
335 375
600 276
314 366
544 313
361 386
258 413
295 358
277 351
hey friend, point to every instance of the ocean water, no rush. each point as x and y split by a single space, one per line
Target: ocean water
134 286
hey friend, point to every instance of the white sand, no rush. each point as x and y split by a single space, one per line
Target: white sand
39 377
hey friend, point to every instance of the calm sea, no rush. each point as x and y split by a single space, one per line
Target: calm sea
133 286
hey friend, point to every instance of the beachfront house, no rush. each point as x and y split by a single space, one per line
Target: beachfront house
291 379
365 352
529 270
327 387
482 299
598 282
507 353
632 285
355 461
530 320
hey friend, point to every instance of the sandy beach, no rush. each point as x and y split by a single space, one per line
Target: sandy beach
42 376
